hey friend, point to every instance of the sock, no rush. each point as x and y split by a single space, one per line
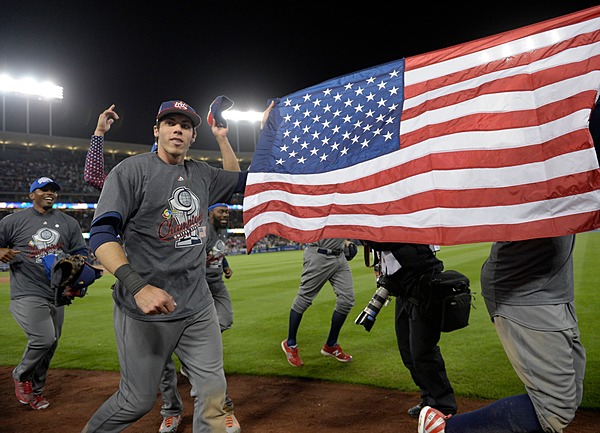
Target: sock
337 321
294 324
514 414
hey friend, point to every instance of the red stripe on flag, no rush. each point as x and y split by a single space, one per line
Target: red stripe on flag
449 235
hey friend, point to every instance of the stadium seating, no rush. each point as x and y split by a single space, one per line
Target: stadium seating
19 167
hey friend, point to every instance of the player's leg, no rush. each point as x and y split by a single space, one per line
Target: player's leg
172 406
555 387
343 287
143 349
200 348
510 414
316 271
402 329
224 308
42 324
223 304
429 365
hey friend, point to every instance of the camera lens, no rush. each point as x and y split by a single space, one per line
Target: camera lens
367 317
379 299
365 320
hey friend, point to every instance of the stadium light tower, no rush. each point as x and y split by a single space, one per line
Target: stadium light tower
237 116
28 87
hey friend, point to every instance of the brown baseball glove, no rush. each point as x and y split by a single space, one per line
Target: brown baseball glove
70 278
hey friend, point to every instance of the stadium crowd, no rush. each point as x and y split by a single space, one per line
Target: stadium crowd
18 168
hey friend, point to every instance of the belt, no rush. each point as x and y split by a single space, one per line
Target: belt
329 252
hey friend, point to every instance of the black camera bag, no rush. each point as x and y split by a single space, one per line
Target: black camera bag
446 295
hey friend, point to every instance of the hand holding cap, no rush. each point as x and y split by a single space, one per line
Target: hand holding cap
215 112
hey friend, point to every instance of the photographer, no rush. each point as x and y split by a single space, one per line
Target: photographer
402 268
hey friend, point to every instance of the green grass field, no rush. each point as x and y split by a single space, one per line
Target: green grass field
262 289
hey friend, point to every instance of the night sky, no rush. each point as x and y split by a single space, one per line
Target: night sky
137 57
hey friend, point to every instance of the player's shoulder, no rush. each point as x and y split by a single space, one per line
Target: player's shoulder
190 162
65 215
137 159
203 168
69 220
139 163
11 216
8 219
18 215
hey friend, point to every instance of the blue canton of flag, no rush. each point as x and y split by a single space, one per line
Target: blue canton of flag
335 124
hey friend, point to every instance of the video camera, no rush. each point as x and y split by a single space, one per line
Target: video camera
380 299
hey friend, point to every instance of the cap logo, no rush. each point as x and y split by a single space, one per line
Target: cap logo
178 107
180 104
42 182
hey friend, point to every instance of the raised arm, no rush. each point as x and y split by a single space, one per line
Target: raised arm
93 172
230 161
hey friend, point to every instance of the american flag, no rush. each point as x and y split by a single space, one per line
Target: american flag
479 142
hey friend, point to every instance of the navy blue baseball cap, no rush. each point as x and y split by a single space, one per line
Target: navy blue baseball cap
178 107
42 182
215 112
88 275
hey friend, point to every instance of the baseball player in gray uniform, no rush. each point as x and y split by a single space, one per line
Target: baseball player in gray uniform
528 287
324 261
157 205
216 263
26 237
95 176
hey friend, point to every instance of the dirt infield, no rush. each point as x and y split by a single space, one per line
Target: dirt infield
263 405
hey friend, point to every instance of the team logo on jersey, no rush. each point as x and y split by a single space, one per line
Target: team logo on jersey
182 219
214 257
44 242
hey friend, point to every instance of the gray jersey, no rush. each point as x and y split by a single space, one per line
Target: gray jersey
532 272
164 209
37 235
216 246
